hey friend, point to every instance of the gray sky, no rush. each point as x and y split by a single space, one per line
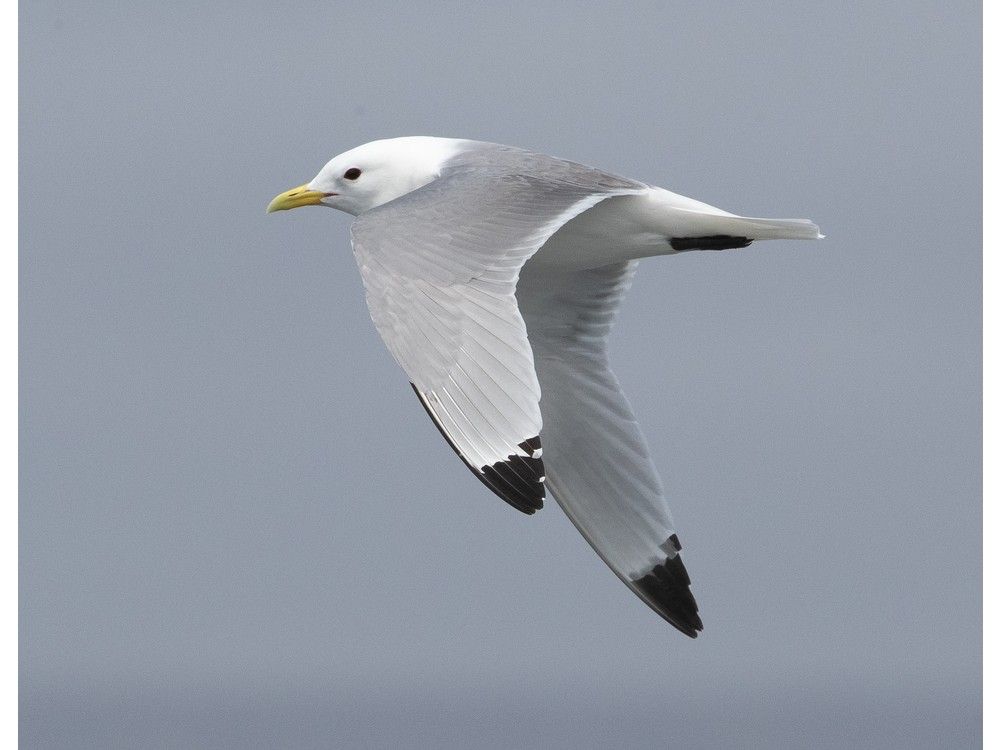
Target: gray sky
239 529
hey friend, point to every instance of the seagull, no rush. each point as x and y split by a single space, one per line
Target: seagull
493 275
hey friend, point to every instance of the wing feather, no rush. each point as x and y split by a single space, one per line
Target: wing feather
440 266
599 468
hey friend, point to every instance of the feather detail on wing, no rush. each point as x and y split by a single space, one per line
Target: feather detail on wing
440 267
597 463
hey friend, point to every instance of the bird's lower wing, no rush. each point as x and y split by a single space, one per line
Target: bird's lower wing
484 400
597 464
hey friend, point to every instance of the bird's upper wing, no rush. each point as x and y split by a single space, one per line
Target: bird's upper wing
597 463
440 266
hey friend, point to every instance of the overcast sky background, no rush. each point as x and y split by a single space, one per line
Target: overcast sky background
238 527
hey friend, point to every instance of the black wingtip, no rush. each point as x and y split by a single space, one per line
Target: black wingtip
518 481
713 242
666 588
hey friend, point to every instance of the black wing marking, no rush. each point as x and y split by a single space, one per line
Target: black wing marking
667 590
714 242
518 480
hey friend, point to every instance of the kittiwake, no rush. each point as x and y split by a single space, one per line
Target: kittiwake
493 275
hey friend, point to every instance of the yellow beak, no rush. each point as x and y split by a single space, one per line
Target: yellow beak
296 197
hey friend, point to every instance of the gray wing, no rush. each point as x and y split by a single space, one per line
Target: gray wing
440 267
597 463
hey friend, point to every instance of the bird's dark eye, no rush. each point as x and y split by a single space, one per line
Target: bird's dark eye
352 174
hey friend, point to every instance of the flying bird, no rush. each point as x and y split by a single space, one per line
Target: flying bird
493 275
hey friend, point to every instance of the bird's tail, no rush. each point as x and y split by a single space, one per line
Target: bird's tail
774 229
718 231
692 225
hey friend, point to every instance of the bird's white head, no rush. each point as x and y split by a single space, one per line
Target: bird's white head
370 175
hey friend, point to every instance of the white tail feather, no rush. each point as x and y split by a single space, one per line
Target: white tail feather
678 216
770 229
